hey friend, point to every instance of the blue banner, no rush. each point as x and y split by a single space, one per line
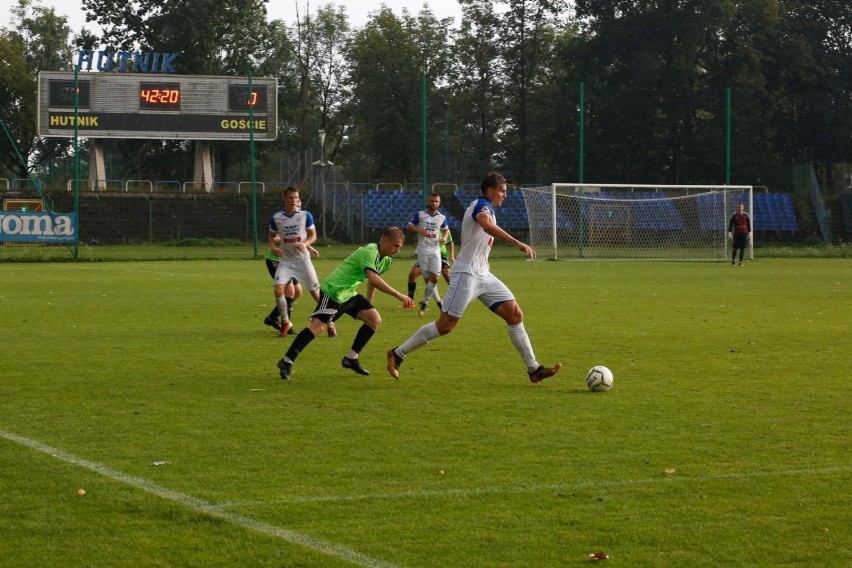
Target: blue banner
38 227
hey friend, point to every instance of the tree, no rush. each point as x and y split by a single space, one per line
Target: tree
814 71
36 41
528 33
390 57
476 88
657 73
320 97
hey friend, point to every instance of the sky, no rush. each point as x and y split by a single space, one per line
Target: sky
358 10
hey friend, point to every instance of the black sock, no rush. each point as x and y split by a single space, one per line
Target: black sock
273 315
362 337
289 307
412 286
302 340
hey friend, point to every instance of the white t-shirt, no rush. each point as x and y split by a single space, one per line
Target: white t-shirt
475 242
293 229
433 224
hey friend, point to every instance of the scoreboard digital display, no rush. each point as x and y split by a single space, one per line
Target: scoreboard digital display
137 105
159 96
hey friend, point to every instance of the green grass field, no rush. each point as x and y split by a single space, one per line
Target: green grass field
153 387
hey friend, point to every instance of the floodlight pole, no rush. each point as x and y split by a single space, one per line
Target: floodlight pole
323 164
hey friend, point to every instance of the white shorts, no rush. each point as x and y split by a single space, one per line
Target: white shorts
304 273
464 288
429 261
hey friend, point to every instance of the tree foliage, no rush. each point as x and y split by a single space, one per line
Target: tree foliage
390 58
37 40
502 87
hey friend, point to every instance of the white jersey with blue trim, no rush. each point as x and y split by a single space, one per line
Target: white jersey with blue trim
475 242
293 229
433 225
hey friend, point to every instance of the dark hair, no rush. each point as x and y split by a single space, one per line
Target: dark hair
290 189
492 179
435 194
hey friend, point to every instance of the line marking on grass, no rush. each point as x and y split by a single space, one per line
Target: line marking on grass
201 506
538 487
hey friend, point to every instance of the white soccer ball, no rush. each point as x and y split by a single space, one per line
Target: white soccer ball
599 378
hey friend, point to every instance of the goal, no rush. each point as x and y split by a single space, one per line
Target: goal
652 222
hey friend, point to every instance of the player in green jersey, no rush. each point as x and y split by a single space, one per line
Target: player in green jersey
339 295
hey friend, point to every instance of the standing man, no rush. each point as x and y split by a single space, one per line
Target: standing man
448 257
339 295
471 279
292 292
739 228
431 228
295 232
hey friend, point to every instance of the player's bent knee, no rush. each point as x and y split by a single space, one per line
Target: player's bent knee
510 312
445 324
371 318
316 326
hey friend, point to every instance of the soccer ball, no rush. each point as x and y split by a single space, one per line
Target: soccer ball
599 378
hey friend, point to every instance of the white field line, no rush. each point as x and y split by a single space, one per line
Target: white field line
199 505
534 488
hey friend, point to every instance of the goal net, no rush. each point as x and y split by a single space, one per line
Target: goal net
613 221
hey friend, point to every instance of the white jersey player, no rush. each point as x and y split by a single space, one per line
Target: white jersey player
432 231
471 279
296 232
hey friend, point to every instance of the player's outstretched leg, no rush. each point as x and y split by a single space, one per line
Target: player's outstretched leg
544 372
394 363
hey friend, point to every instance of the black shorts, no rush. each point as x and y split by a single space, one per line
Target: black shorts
271 267
329 310
740 240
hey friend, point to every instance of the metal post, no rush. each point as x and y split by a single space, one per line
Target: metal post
447 176
253 174
323 164
423 110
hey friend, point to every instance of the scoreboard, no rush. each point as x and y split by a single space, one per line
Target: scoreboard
174 107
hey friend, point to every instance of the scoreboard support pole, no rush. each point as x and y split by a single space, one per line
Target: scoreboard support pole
97 164
203 171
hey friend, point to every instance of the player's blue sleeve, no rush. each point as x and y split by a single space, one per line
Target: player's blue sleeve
272 226
309 220
481 205
415 219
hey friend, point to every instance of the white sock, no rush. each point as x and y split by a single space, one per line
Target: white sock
435 294
420 338
521 341
427 292
282 307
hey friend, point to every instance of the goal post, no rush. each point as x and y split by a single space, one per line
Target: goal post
633 222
